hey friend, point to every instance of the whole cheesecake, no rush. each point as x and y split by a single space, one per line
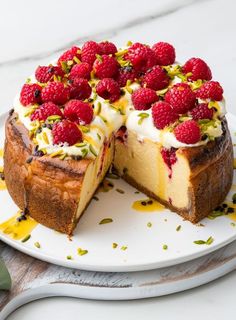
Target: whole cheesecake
161 126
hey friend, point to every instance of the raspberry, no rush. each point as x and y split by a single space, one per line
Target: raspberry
165 53
81 70
108 89
80 89
89 51
210 90
181 98
188 132
107 47
125 74
198 68
66 132
141 57
78 111
30 94
45 110
143 98
69 55
202 112
169 157
44 74
163 114
105 67
55 92
155 78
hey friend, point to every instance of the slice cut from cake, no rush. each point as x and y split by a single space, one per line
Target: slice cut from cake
161 125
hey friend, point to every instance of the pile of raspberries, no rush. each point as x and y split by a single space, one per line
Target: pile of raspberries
65 89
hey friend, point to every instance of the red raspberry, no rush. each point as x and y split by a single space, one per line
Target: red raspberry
125 74
165 53
89 51
78 111
155 78
163 114
107 47
80 89
30 94
198 68
69 55
105 67
210 90
44 74
55 92
181 97
81 70
45 110
108 89
141 57
202 112
66 132
143 98
188 132
169 157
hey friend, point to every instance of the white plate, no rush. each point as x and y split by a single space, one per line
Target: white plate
129 228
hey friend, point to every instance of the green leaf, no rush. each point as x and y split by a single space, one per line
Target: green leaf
5 279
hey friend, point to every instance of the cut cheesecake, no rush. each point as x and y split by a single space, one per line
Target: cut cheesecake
195 184
160 126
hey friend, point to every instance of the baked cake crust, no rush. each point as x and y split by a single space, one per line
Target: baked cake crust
49 188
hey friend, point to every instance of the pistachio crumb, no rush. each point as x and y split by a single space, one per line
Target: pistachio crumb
178 228
124 248
149 224
120 191
82 252
37 245
114 245
26 238
106 220
164 247
69 258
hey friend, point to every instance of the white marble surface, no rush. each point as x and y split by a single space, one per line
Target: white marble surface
33 32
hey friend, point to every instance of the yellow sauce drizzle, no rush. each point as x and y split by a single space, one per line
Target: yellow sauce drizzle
18 230
147 205
231 216
1 153
91 141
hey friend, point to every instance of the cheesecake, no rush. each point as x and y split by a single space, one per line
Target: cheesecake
159 124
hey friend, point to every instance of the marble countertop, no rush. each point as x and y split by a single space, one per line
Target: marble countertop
33 33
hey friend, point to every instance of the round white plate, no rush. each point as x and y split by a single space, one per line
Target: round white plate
129 229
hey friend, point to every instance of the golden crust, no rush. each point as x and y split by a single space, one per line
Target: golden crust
49 188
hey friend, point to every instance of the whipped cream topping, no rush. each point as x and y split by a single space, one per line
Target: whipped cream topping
109 117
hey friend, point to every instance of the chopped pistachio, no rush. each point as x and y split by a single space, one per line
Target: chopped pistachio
114 245
37 245
80 144
233 224
142 116
69 258
45 138
26 238
207 242
99 137
84 152
92 150
149 224
178 228
54 117
124 248
106 220
56 153
164 247
82 252
84 129
77 60
120 191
